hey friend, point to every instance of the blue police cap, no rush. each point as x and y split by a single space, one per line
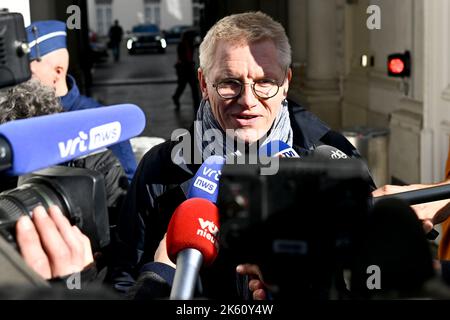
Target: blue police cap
45 37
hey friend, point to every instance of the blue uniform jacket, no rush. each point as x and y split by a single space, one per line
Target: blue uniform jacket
74 101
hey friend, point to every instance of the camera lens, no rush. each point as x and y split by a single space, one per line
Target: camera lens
23 200
79 193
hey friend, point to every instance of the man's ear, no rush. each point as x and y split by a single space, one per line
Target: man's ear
60 73
286 85
202 82
289 75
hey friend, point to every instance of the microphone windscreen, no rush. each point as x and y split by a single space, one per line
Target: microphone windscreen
44 141
205 183
278 148
326 152
194 225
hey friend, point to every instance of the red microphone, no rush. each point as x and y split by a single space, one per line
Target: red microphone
192 241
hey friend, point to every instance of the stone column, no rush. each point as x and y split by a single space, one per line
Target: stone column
321 93
297 33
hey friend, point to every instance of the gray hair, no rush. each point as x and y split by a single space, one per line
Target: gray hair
28 99
244 28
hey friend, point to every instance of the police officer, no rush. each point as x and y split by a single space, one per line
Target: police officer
49 62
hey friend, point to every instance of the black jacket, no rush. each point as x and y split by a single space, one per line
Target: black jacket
159 186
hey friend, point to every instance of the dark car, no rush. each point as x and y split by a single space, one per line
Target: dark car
173 35
145 37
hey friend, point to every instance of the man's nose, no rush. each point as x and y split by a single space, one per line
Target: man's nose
247 97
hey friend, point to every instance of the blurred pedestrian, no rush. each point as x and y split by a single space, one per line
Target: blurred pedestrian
186 73
115 38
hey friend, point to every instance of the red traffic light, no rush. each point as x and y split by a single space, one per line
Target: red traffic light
399 64
396 66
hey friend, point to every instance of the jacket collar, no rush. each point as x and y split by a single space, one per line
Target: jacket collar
68 101
306 127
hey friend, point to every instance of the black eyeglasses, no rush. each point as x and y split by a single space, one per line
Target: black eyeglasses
232 88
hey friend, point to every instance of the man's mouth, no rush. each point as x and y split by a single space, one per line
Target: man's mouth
246 119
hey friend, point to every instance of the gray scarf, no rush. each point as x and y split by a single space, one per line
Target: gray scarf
221 144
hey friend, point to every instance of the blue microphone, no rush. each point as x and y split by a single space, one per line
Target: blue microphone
278 148
36 143
205 183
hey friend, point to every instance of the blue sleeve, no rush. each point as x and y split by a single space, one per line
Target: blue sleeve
163 270
74 101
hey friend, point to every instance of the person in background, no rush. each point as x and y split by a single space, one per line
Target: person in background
186 73
115 39
444 245
431 214
49 63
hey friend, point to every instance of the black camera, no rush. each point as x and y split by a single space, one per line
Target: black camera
14 62
80 193
300 226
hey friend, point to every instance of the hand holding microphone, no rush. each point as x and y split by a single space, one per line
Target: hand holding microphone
161 253
192 241
256 283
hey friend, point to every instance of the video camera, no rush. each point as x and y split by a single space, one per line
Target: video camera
299 226
14 63
80 193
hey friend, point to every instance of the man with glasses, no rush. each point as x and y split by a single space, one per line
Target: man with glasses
244 77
